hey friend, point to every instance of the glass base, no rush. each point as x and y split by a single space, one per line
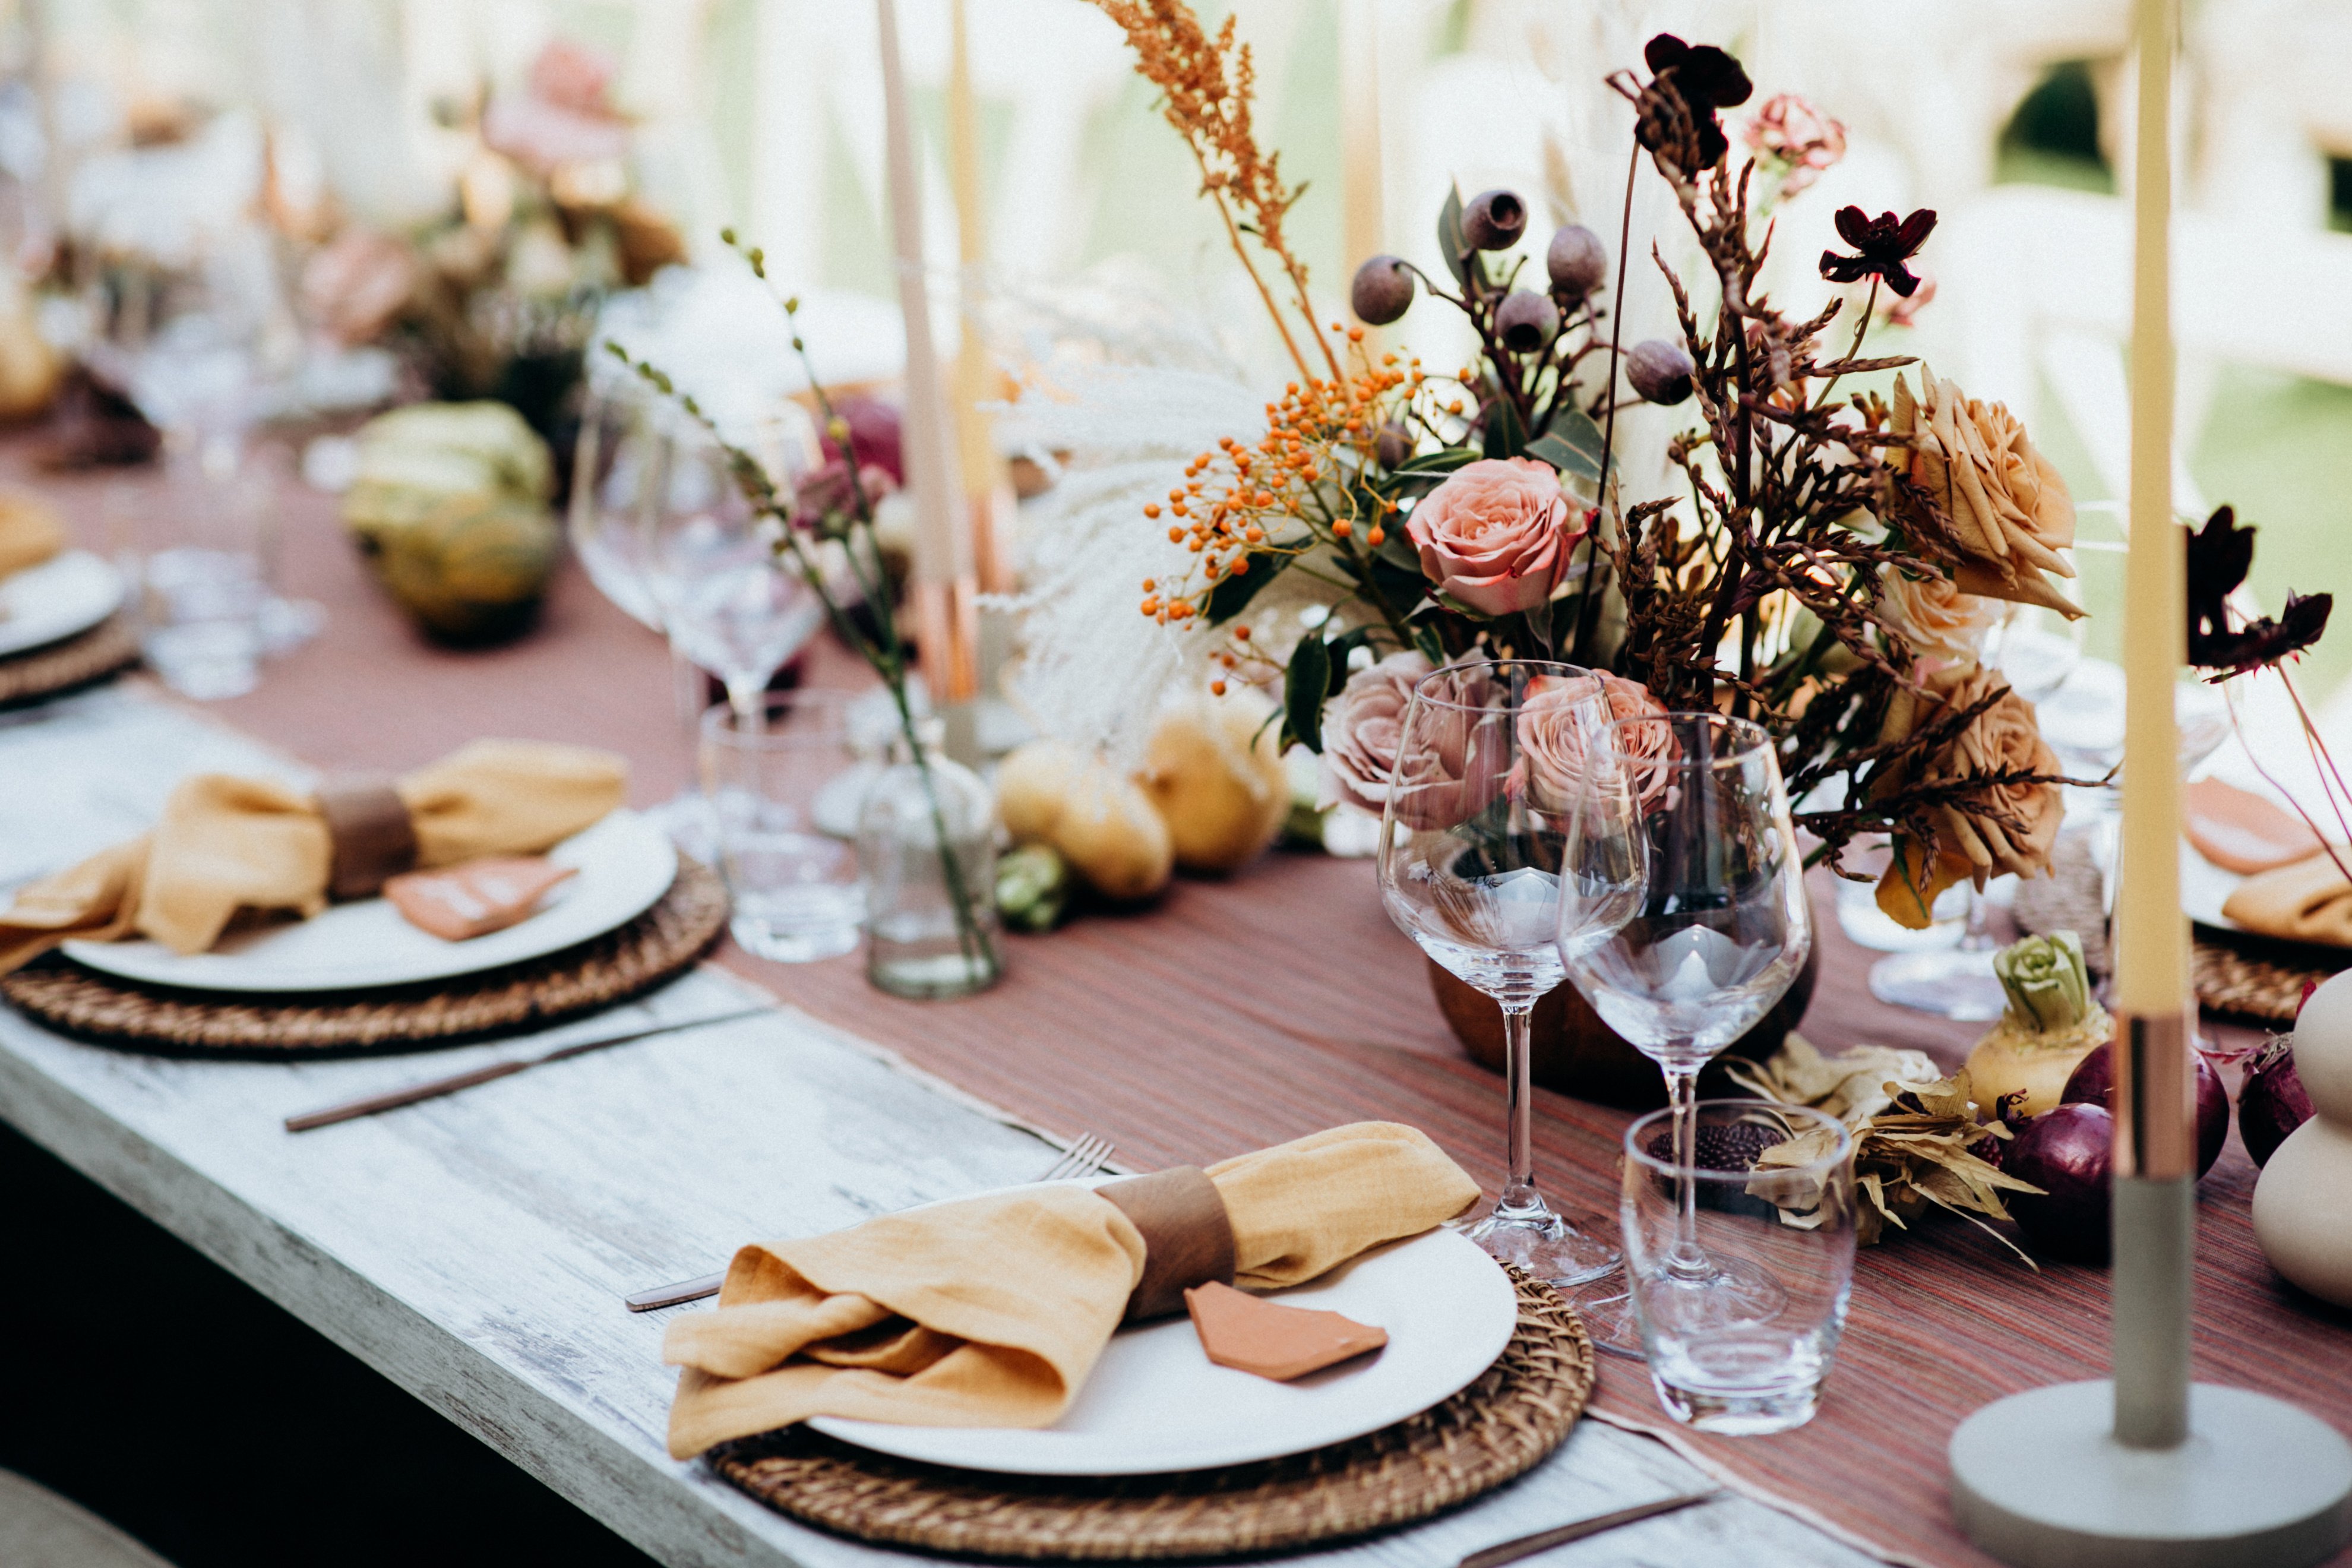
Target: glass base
792 944
1728 1295
1779 1403
932 977
1544 1244
1958 985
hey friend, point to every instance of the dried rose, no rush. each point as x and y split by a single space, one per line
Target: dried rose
1361 727
1793 132
2007 828
2009 511
1498 535
1933 617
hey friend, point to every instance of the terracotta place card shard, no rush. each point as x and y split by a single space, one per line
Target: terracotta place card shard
477 898
2239 831
1250 1334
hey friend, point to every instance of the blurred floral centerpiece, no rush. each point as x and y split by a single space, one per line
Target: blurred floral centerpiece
1827 565
498 297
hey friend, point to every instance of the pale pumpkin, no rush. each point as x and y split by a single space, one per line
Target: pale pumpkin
1101 822
1214 770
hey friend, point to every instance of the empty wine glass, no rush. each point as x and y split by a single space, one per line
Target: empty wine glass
1717 935
1480 799
727 602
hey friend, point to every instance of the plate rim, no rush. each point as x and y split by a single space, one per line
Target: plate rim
9 649
858 1433
96 954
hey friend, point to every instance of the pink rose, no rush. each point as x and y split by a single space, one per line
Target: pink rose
1496 536
1557 722
1449 754
1801 137
1362 727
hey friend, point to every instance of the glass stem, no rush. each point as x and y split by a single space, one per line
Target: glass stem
1682 1093
1519 1184
1979 935
685 689
743 697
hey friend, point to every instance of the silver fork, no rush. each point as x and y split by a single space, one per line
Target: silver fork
1089 1154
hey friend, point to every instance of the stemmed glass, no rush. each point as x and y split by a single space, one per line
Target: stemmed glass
1481 798
726 601
1715 936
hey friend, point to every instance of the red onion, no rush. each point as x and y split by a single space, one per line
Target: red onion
2093 1081
2065 1152
2271 1102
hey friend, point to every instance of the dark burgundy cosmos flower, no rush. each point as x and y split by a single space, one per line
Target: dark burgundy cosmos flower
2220 555
1706 78
1885 244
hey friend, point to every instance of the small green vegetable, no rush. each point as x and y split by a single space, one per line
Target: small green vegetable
2047 988
1033 887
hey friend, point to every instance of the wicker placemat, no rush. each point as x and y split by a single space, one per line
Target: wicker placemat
1497 1429
662 942
93 655
2264 986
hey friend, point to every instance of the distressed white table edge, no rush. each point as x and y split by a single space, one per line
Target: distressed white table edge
473 1249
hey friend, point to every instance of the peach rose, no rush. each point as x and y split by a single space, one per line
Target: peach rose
2009 511
2010 830
1451 753
1556 721
1498 535
1362 727
1932 615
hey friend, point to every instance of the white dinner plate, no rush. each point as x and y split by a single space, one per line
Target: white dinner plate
624 864
1155 1403
67 594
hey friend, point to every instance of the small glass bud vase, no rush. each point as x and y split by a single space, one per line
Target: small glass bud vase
926 847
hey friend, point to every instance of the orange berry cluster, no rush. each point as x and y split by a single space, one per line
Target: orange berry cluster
1287 478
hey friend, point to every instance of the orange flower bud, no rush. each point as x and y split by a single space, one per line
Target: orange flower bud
1377 536
1216 689
1242 633
1240 567
1152 509
1343 528
1174 535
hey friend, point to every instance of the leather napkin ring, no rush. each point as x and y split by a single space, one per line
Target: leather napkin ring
370 838
1188 1238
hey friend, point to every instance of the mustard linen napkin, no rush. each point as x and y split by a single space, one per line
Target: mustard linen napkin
29 533
226 843
990 1311
2308 902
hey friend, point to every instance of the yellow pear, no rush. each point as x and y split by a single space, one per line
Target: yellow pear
1214 770
1050 792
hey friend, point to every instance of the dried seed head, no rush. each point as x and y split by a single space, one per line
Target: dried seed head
1394 445
1494 220
1660 372
1576 261
1525 320
1382 290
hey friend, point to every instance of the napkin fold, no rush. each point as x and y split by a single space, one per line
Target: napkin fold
2308 901
226 843
29 533
990 1311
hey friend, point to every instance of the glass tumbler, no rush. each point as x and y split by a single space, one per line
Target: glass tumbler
794 889
1773 1191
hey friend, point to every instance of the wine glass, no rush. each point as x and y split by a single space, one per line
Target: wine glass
1713 940
1480 800
728 603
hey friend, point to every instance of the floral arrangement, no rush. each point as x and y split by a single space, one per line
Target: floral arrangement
1829 570
497 298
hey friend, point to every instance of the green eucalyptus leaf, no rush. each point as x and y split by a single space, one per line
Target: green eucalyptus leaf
1305 686
1440 462
1450 243
1506 436
1231 594
1425 638
1571 444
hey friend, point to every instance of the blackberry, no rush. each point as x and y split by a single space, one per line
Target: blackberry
1720 1146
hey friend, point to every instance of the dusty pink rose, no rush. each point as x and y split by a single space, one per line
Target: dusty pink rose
1498 535
563 117
1362 727
1557 721
354 284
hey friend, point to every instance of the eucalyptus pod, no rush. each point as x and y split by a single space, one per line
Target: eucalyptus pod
1576 261
1382 290
1525 320
1660 372
1494 220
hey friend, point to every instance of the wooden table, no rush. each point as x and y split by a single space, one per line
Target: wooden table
475 1250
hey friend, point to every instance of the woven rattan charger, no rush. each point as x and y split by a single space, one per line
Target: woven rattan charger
1494 1431
61 667
632 959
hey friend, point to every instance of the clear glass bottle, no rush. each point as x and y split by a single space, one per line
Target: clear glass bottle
926 847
